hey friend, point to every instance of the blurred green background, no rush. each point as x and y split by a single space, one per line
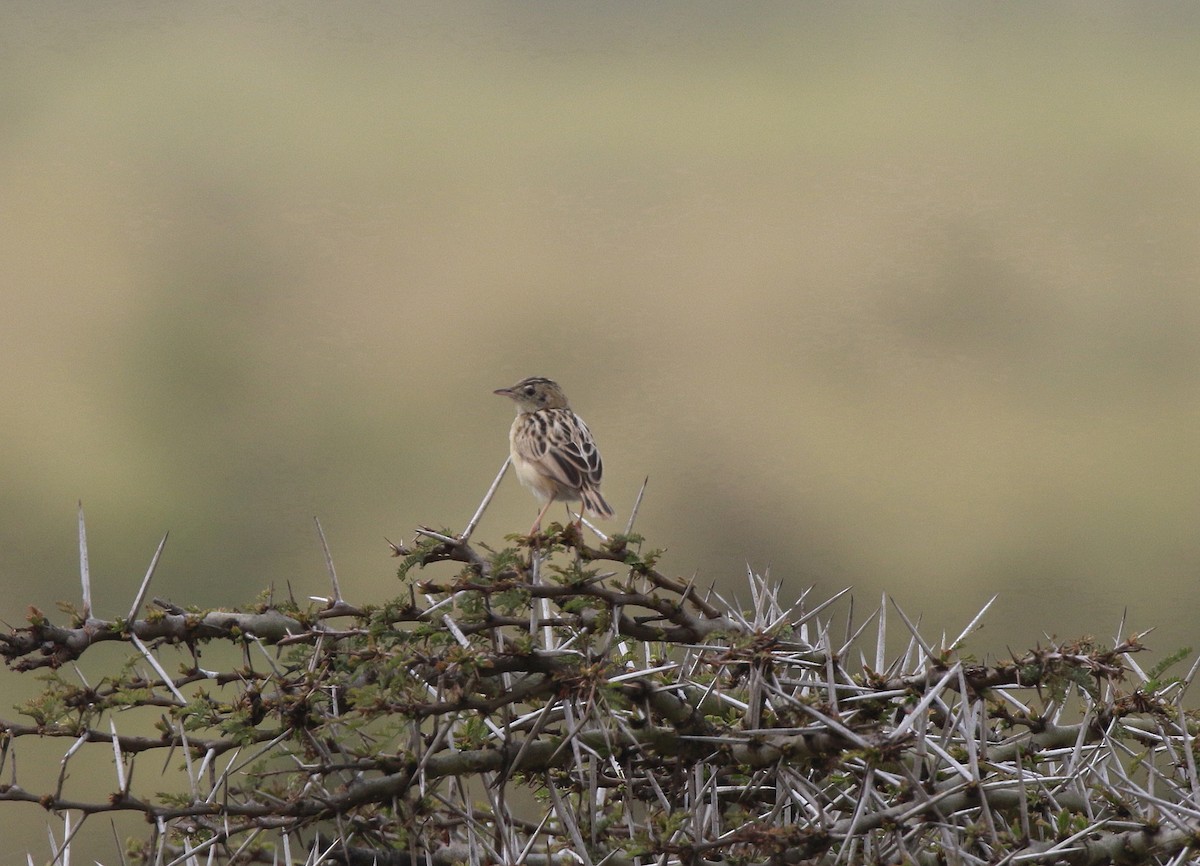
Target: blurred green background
902 297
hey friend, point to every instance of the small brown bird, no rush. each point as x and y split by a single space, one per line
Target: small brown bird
552 449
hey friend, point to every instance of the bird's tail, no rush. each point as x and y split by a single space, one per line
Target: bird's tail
594 503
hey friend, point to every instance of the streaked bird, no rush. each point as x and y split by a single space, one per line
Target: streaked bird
552 449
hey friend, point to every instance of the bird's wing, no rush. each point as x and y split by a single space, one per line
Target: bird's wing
562 446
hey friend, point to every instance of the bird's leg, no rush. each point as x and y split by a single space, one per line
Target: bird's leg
537 524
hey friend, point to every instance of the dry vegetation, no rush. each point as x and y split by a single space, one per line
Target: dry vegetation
559 702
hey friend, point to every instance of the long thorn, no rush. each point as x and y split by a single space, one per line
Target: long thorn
141 593
118 760
85 576
637 503
881 634
487 498
916 635
599 534
962 636
337 589
158 668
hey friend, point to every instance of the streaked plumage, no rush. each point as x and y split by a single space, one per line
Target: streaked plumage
552 449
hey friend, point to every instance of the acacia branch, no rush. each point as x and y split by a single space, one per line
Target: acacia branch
653 723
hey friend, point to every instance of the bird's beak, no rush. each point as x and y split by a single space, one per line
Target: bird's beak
503 392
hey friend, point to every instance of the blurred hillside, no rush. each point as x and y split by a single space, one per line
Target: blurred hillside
898 297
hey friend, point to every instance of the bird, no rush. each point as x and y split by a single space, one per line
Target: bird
553 450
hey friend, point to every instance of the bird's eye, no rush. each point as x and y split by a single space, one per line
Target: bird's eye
528 389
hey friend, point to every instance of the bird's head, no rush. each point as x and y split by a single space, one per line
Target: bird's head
535 393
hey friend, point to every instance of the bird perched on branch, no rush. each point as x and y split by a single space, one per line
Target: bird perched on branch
552 449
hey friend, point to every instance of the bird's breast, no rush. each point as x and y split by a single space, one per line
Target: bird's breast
529 473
